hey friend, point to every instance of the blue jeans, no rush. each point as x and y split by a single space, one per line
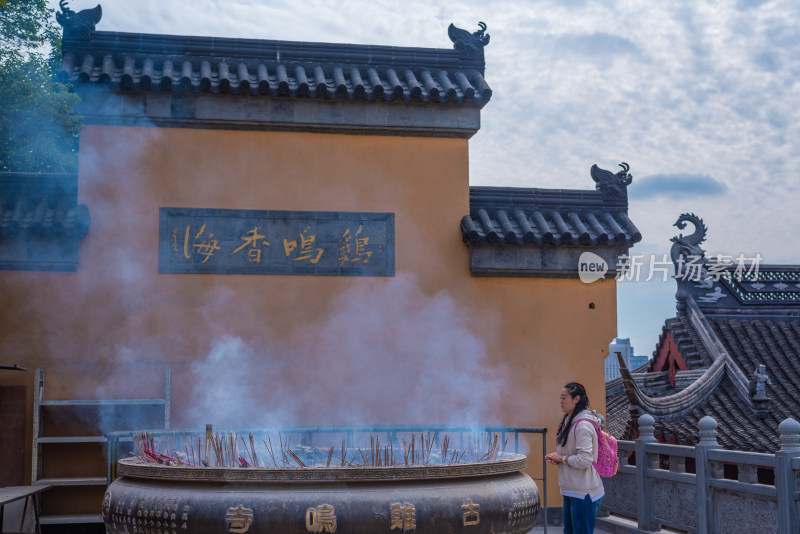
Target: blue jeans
579 515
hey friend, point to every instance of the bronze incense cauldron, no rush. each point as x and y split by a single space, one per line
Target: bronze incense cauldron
476 497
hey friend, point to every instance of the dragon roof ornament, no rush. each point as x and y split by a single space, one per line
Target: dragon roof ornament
469 45
78 25
689 245
612 186
689 257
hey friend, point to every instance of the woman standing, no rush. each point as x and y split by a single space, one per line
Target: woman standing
576 449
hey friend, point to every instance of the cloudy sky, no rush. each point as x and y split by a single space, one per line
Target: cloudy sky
701 98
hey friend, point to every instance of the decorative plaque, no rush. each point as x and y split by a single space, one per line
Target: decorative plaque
223 241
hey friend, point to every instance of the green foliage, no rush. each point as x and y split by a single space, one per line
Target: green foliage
38 126
26 24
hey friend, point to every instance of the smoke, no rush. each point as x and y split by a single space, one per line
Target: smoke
386 354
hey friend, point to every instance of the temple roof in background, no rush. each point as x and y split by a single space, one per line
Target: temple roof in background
518 216
731 319
558 233
135 61
41 222
41 204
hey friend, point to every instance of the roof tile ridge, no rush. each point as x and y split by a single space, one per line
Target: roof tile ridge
789 333
741 343
323 52
696 341
687 429
778 337
757 344
664 328
721 403
551 198
688 343
675 404
762 432
716 349
731 334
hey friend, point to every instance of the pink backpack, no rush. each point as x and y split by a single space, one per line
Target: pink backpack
607 462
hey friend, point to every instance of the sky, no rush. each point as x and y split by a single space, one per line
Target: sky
700 98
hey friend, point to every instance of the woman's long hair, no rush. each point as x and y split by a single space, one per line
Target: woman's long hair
574 389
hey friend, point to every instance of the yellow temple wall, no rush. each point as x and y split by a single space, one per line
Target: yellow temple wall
314 349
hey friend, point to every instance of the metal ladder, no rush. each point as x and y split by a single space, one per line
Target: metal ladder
40 442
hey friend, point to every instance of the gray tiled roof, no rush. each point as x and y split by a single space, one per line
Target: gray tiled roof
749 340
262 67
520 216
617 410
688 342
737 428
43 205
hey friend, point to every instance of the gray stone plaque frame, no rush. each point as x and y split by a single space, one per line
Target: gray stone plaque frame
225 241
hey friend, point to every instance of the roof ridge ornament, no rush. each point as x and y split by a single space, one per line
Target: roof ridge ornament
78 25
469 45
612 186
687 255
758 391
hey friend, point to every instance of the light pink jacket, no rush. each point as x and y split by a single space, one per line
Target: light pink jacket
580 477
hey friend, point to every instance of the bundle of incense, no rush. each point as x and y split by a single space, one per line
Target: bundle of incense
254 456
426 451
491 453
209 434
269 450
146 447
295 458
283 452
229 449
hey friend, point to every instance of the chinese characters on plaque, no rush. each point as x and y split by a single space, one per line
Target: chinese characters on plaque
321 519
239 519
471 515
193 240
403 516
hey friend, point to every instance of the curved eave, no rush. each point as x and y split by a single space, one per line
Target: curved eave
682 402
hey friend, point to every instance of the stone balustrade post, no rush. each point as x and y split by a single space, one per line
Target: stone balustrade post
789 431
644 505
708 440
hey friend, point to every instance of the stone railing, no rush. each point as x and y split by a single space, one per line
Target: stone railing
706 489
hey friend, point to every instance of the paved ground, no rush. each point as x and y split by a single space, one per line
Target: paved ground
610 525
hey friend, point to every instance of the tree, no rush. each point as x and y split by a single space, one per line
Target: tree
38 125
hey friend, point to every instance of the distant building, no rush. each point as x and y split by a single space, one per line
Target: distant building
624 347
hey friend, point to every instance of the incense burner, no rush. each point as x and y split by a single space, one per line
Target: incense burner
475 497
